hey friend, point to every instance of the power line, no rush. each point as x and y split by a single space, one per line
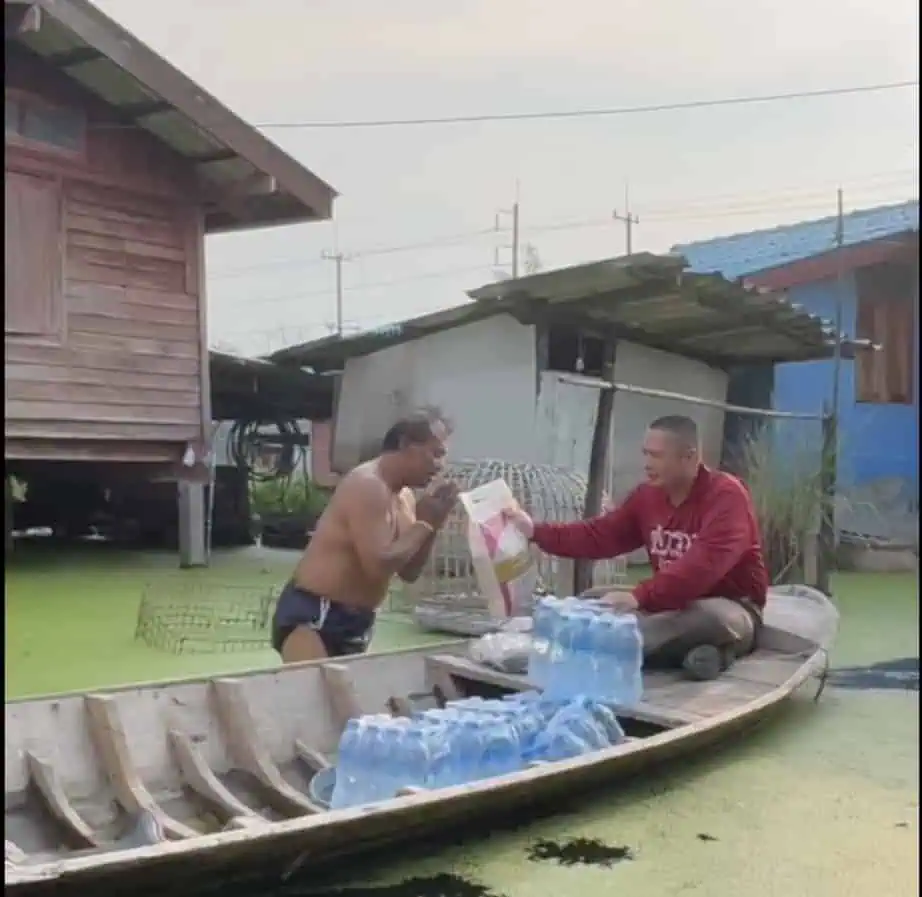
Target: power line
371 252
593 113
675 214
701 208
307 294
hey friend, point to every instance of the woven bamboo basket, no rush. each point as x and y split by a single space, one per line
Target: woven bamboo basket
446 597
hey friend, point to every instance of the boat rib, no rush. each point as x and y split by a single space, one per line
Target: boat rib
46 780
108 735
199 776
250 753
340 688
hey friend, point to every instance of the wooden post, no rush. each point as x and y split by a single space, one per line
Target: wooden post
191 501
829 460
601 435
8 515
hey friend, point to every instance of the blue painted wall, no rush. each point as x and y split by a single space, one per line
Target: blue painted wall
876 441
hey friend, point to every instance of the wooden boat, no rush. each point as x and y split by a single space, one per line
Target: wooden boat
142 786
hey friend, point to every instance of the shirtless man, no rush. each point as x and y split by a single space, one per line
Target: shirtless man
372 530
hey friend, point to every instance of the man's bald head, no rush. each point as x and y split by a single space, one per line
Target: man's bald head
683 429
670 452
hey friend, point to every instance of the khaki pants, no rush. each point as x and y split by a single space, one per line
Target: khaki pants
668 636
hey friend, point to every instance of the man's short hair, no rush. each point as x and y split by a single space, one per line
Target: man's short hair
414 428
683 428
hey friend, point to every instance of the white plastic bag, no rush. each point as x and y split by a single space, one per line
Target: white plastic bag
506 651
503 563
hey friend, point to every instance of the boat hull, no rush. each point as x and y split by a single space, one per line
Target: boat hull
684 717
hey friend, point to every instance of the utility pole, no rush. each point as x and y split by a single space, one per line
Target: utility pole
840 300
629 222
516 233
338 258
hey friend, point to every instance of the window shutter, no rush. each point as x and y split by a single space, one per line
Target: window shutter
32 255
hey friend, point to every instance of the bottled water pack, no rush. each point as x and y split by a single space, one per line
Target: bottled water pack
467 741
580 649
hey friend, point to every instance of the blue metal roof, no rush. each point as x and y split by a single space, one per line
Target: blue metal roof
741 255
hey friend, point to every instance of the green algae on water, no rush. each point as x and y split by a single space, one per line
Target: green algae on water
579 852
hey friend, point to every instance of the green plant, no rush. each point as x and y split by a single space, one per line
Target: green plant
18 489
295 495
785 477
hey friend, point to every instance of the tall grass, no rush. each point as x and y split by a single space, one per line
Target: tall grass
785 478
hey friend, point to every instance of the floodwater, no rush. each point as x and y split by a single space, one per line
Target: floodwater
820 802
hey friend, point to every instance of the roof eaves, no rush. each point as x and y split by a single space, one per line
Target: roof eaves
747 254
130 54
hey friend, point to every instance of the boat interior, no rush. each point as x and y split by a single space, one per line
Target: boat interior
123 768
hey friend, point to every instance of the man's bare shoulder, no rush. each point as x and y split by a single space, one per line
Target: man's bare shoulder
362 485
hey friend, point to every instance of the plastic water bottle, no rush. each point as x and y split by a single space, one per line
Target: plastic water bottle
443 750
583 670
468 705
501 749
470 741
559 740
607 649
349 766
412 758
608 722
545 618
369 755
578 717
386 764
557 683
632 660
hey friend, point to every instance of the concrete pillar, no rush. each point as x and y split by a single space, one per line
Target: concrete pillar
192 510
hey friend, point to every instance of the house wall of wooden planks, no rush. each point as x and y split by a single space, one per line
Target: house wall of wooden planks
104 329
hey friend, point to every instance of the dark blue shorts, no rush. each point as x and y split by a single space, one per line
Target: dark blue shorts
343 630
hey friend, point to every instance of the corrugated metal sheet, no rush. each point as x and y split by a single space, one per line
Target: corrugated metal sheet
646 299
251 387
742 255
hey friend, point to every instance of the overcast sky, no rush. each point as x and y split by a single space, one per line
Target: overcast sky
692 173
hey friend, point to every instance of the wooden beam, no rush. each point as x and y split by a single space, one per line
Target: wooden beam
542 345
250 753
337 680
20 18
601 436
8 515
827 530
111 742
256 184
199 777
45 778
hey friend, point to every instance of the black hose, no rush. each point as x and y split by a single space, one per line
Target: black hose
245 437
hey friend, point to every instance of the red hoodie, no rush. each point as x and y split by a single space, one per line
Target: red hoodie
707 546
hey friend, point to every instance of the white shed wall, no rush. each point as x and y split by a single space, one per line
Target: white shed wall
482 375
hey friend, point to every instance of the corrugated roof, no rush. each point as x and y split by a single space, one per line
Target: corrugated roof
647 299
256 388
255 183
742 255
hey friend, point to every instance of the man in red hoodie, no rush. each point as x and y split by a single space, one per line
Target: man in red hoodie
702 607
